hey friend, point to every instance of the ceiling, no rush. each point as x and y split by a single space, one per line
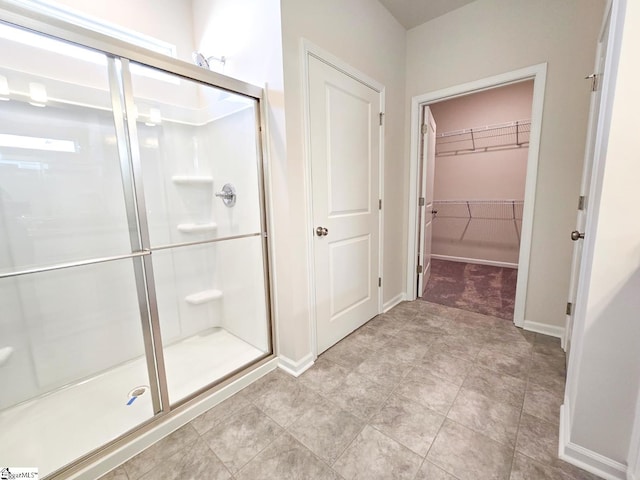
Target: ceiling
411 13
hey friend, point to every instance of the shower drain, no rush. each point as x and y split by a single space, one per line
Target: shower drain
137 392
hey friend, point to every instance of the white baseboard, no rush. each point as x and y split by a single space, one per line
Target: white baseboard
583 457
476 261
551 330
296 368
393 302
171 423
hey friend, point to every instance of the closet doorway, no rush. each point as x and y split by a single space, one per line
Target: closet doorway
471 209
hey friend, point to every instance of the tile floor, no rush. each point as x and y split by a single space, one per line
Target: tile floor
423 392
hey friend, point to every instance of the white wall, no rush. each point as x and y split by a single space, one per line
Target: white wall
364 35
604 375
167 20
488 37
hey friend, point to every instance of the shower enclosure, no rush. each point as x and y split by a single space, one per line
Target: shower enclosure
133 254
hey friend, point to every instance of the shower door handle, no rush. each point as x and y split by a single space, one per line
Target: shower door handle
322 231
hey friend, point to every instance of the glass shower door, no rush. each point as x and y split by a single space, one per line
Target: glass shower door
133 262
73 369
198 151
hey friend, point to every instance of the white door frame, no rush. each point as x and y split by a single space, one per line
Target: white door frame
589 160
616 10
537 73
308 49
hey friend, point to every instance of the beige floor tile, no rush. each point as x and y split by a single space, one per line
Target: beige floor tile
497 420
384 370
469 455
450 368
242 436
432 392
504 364
214 416
326 430
347 353
538 440
524 468
461 347
408 422
194 461
168 446
542 403
374 456
428 471
503 388
360 396
286 459
324 376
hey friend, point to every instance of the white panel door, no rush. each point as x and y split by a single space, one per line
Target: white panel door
594 114
427 172
345 159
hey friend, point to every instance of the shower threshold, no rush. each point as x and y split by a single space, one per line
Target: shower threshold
53 430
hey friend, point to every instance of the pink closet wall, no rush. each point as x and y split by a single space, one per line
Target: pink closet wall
483 176
491 175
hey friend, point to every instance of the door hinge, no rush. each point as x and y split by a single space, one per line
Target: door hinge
419 269
581 202
379 281
381 117
421 202
379 204
569 310
595 84
424 129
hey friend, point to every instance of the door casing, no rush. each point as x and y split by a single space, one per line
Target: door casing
587 175
426 172
309 49
538 74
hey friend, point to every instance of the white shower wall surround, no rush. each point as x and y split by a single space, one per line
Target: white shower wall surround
55 353
118 168
181 161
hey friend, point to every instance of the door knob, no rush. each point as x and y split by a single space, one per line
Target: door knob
322 232
434 212
576 235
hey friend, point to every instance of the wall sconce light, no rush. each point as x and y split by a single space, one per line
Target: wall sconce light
38 94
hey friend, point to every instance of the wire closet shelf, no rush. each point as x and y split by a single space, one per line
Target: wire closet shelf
480 209
502 136
496 215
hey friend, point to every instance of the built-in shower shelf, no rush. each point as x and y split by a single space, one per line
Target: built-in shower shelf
192 180
197 227
203 297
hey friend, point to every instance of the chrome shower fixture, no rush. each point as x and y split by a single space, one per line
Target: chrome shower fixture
200 60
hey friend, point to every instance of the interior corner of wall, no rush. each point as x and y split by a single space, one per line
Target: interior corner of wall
296 367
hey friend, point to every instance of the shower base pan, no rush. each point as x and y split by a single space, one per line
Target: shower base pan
55 429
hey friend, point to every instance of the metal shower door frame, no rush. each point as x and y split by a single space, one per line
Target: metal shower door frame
119 56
